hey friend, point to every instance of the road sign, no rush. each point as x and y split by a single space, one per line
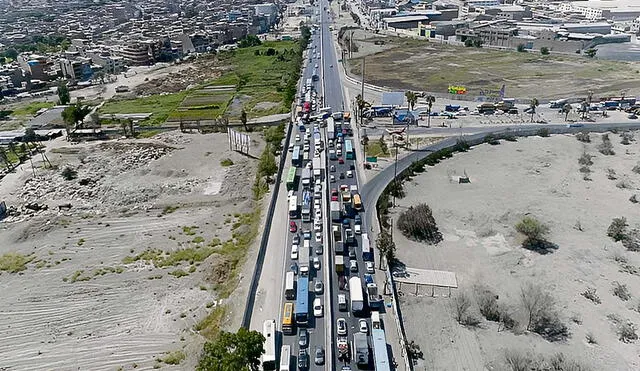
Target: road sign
372 159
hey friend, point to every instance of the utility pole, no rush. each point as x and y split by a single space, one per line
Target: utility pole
395 180
351 45
362 84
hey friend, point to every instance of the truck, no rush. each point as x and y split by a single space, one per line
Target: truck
303 259
343 349
338 245
306 206
349 235
306 177
361 348
373 296
346 195
356 296
331 128
336 211
452 108
339 263
317 168
486 108
506 104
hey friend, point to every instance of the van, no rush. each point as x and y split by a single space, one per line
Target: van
342 303
375 320
557 103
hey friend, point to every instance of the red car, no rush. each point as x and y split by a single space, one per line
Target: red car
293 228
340 160
334 195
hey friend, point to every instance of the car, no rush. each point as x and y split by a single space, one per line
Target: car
319 358
363 326
341 175
319 249
316 263
342 302
291 147
339 146
293 227
316 203
296 239
306 148
317 307
342 283
357 219
317 225
330 66
369 267
349 174
332 179
306 235
332 168
303 338
357 229
346 223
319 237
303 359
352 167
340 160
339 153
294 268
297 137
341 326
318 181
318 213
316 65
334 194
353 265
294 252
352 253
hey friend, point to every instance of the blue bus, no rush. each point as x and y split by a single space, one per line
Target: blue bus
380 350
302 301
296 157
348 149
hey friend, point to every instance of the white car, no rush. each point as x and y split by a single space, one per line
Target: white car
297 137
370 268
316 263
319 237
339 152
349 174
316 203
317 226
317 307
318 181
332 179
294 252
363 326
357 229
318 214
341 326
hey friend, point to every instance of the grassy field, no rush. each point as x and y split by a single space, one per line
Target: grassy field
424 66
259 82
30 109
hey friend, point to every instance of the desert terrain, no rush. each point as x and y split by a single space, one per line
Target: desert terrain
538 177
122 278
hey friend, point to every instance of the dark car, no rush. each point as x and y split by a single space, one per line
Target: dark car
341 175
319 358
342 282
303 359
352 167
319 249
340 160
303 338
357 219
294 268
352 253
345 223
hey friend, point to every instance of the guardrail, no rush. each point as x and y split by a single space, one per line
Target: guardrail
253 287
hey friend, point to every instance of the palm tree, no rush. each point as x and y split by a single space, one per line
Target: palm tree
566 109
532 106
412 99
361 104
430 101
74 115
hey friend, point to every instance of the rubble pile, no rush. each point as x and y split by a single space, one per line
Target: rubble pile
203 69
173 137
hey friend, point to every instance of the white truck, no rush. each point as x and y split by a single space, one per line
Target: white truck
336 211
317 168
361 347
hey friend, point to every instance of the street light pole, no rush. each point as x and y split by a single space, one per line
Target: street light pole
395 180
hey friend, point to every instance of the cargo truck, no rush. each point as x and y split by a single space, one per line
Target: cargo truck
303 259
336 211
306 206
338 246
317 168
306 177
339 263
361 348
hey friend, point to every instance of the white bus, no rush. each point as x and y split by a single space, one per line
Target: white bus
269 356
290 286
285 357
293 207
356 295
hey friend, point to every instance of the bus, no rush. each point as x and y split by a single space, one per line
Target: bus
367 255
285 357
291 179
356 295
269 356
302 301
348 149
296 157
356 202
293 207
290 286
380 355
288 326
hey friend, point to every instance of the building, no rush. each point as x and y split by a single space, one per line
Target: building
136 54
614 10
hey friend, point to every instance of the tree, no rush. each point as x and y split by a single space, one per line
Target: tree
361 104
477 43
267 166
11 53
430 101
243 119
29 135
418 223
533 229
386 247
63 94
412 99
591 52
566 109
532 105
521 48
535 301
5 158
468 43
3 60
74 115
240 351
618 229
544 50
250 40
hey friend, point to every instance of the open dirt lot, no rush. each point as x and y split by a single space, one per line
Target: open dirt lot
424 66
124 275
539 177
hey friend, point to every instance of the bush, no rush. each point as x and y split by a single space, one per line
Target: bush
462 306
550 327
632 241
533 229
521 48
585 159
544 132
488 303
418 223
226 162
591 294
544 50
636 169
69 174
491 139
627 138
583 136
606 148
627 332
618 229
621 291
611 174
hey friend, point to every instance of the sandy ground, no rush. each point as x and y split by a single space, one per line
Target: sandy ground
539 177
122 315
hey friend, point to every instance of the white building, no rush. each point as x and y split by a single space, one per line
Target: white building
615 10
